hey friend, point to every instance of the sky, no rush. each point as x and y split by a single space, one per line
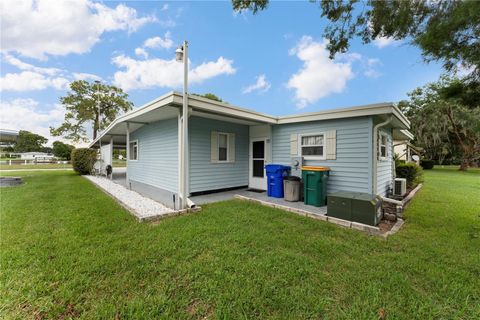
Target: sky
274 62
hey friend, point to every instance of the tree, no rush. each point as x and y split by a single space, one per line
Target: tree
447 31
210 96
28 142
445 119
90 103
62 150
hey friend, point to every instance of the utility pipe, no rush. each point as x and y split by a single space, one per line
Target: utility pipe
375 152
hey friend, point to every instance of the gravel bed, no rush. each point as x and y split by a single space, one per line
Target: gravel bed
142 207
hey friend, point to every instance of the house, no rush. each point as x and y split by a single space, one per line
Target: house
36 156
228 147
406 151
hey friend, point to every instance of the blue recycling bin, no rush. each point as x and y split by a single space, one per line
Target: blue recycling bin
275 175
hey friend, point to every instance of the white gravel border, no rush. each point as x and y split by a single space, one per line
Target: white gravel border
141 207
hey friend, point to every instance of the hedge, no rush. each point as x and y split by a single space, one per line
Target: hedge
410 171
427 164
83 160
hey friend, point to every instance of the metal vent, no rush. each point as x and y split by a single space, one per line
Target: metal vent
400 186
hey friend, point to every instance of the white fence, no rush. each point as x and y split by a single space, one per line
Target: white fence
39 162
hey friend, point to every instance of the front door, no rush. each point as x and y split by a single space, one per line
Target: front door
258 178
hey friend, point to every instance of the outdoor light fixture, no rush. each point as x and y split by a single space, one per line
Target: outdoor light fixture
179 54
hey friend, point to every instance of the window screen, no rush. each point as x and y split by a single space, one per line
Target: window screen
383 146
222 146
133 150
312 145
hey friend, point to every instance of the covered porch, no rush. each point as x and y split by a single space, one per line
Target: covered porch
119 177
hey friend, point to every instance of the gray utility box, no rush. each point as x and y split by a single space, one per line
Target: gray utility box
355 206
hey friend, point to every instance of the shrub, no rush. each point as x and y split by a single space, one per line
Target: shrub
410 171
83 160
427 164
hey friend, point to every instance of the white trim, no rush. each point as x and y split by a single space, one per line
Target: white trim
380 135
136 142
257 182
324 145
200 104
228 147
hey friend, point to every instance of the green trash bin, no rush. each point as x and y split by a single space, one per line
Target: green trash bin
315 185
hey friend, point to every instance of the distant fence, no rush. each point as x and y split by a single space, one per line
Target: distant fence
11 162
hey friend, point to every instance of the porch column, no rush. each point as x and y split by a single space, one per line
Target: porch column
128 154
111 156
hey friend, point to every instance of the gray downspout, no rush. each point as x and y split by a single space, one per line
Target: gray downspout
375 152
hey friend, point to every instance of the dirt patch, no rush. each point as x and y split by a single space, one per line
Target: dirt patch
199 309
69 312
385 225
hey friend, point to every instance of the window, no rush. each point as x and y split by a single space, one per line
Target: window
312 146
133 150
382 148
223 147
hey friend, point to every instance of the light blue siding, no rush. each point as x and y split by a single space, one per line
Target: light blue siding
205 175
352 169
157 163
384 167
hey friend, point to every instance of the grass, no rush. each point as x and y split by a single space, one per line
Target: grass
116 164
35 166
68 250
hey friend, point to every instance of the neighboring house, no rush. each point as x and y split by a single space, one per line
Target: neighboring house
230 146
35 155
405 150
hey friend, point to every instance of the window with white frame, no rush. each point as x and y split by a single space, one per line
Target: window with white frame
222 146
312 146
133 150
382 146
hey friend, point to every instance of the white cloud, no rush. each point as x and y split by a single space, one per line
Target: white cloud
165 7
141 52
28 67
86 76
24 114
464 70
38 78
369 66
261 85
382 42
154 43
319 75
38 28
141 74
28 80
158 42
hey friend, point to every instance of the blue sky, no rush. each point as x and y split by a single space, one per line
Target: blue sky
274 62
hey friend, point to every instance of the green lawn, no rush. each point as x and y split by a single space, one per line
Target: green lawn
68 250
116 164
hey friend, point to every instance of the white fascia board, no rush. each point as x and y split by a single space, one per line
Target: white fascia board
162 101
399 114
369 110
200 104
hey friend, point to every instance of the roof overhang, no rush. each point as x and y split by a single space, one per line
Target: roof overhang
8 136
169 106
379 109
156 110
402 135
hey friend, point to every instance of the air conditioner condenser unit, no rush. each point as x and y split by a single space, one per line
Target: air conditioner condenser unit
400 186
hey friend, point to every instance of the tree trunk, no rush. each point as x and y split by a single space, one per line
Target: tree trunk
464 165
